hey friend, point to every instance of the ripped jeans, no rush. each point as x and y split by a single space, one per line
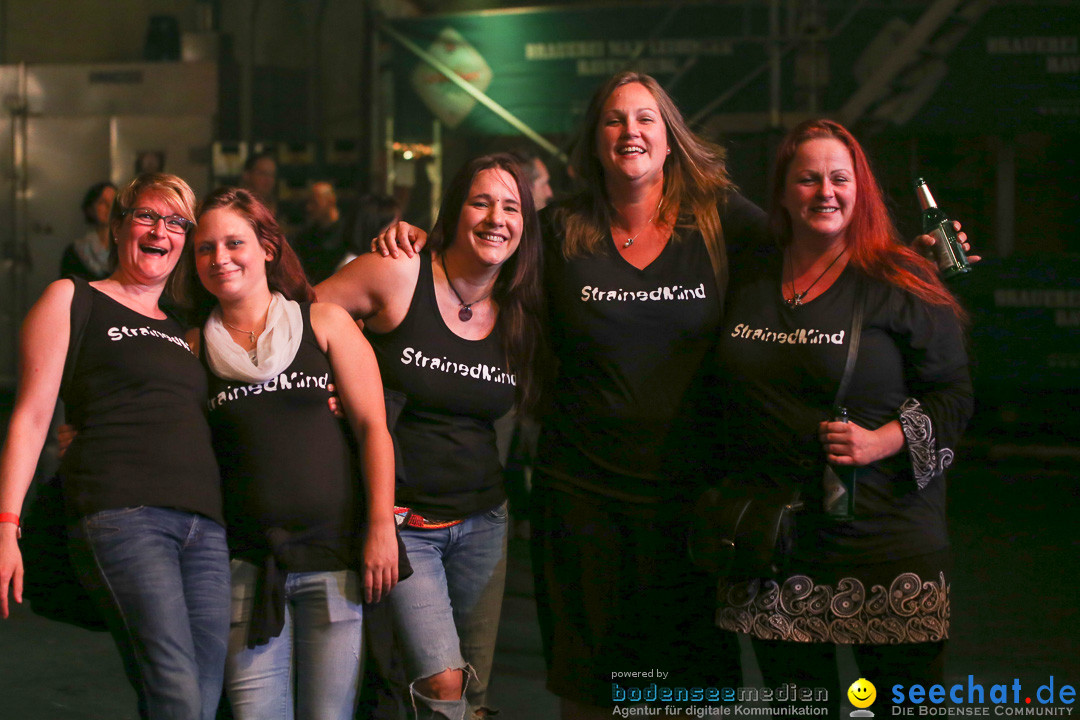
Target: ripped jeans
447 613
313 668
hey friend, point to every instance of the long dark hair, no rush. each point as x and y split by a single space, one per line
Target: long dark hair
695 178
517 293
874 244
90 198
284 273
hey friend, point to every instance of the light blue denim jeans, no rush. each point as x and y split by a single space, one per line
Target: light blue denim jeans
162 579
312 670
447 612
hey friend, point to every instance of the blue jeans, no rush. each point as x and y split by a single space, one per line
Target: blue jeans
447 612
161 577
313 668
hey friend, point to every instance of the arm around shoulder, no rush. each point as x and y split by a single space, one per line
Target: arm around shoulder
371 285
359 385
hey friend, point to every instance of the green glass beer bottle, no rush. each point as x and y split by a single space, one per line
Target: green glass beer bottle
948 250
838 483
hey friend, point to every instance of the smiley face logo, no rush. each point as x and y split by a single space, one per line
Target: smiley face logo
862 693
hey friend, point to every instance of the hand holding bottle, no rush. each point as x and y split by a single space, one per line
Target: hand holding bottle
947 244
847 443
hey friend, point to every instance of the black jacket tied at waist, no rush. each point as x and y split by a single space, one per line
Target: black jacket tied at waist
319 549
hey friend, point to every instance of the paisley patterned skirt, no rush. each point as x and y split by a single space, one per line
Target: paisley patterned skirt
858 608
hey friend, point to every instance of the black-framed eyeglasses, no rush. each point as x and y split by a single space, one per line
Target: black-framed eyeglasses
145 216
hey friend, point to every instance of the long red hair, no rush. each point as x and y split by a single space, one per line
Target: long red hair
874 244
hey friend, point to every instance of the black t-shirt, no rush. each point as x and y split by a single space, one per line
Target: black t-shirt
455 390
287 462
779 372
137 398
629 344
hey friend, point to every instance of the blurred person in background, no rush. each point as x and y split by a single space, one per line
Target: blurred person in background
373 214
260 177
320 245
88 257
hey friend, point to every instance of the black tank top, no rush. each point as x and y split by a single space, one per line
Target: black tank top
287 462
455 390
136 397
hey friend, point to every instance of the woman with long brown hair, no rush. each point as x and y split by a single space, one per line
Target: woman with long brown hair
635 273
878 580
457 333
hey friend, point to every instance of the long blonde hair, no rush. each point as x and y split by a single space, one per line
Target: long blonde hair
695 180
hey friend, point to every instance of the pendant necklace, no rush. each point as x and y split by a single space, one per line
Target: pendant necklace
250 333
630 240
796 297
464 312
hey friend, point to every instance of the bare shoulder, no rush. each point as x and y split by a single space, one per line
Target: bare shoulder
370 270
61 291
371 285
55 302
327 315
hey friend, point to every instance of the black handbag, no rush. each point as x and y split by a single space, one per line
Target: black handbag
745 526
50 581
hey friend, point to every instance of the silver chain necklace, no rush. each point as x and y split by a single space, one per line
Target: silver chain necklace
250 333
796 298
630 240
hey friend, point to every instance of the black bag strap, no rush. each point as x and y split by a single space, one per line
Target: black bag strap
853 341
81 302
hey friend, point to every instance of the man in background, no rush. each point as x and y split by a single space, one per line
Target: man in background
321 244
260 177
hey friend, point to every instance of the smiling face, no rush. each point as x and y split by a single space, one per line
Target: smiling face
228 256
148 253
490 223
862 693
631 138
819 189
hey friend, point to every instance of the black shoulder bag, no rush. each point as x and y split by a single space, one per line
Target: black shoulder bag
745 526
51 583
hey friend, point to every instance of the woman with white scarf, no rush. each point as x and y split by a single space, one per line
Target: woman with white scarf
307 547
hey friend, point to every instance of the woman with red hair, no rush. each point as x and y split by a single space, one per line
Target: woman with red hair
880 579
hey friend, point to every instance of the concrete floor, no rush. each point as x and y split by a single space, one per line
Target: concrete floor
1015 598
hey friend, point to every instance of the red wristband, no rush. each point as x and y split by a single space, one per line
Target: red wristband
12 518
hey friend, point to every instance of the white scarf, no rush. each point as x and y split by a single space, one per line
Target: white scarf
274 350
